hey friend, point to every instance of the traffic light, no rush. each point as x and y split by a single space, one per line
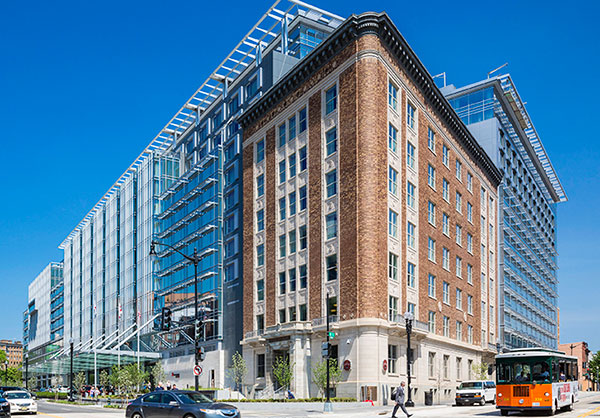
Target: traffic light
166 319
325 350
331 335
198 329
200 354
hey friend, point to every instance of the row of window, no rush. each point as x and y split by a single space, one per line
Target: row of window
431 291
431 253
431 323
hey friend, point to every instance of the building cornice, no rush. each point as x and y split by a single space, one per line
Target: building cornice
378 24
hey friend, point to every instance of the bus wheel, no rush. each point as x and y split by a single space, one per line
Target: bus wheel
554 408
571 406
504 412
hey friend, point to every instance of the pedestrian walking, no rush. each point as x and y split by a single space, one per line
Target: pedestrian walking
400 401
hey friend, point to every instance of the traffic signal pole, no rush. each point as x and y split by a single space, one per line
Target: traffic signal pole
328 407
196 336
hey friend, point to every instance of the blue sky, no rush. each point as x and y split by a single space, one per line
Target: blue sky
86 85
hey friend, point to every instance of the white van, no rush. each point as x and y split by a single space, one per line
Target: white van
476 391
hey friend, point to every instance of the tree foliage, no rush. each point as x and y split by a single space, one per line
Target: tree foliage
158 373
283 371
79 381
134 376
319 375
594 367
2 357
480 371
104 378
238 370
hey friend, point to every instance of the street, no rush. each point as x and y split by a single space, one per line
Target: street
588 406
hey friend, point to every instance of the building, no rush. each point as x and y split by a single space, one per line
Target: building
364 195
14 352
582 352
528 283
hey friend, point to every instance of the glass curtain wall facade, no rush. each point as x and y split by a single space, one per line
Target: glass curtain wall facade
529 193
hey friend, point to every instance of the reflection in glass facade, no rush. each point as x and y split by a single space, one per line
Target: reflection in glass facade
527 288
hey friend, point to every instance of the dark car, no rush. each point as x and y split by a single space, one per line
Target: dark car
179 404
4 407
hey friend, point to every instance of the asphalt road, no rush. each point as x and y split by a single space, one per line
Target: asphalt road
588 406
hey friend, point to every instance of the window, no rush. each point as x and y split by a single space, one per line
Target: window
303 202
410 116
282 316
282 135
458 202
260 220
470 366
393 224
446 326
431 213
482 199
469 243
469 274
260 365
410 195
331 264
260 151
292 165
431 286
410 235
446 224
392 96
260 255
302 119
233 105
458 170
292 200
260 185
483 255
292 128
469 212
411 308
431 323
431 176
282 245
446 258
282 171
470 182
410 274
445 156
252 88
292 278
458 368
431 139
303 312
331 225
392 308
292 239
459 267
282 209
470 338
392 138
446 292
392 181
331 141
410 155
392 358
303 273
303 159
331 180
459 234
260 290
303 237
446 190
330 100
470 304
458 299
459 331
392 266
431 249
282 283
292 314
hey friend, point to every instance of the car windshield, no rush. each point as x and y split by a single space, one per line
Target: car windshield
470 385
17 395
193 397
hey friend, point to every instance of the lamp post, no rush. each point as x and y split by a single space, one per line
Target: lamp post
328 407
71 371
408 317
194 259
27 371
6 372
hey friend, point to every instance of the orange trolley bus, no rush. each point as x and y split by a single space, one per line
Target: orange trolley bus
535 379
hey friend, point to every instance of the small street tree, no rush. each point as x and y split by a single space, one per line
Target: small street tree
480 371
157 373
238 370
319 375
134 377
283 371
32 383
117 378
594 367
79 381
104 379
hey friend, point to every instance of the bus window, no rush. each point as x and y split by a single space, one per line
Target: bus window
555 374
541 371
521 373
562 367
503 373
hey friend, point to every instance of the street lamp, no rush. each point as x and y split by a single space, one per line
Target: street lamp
408 317
6 372
71 372
194 259
27 371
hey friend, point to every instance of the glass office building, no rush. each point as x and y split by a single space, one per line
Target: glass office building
528 288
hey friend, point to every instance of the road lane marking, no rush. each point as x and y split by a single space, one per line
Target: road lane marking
49 415
587 414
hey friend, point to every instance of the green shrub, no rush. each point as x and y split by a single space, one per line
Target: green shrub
51 395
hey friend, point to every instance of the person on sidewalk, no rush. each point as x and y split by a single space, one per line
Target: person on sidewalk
400 401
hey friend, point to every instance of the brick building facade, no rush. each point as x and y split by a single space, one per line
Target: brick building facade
582 352
365 196
14 352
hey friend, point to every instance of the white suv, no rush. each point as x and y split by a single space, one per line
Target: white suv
476 391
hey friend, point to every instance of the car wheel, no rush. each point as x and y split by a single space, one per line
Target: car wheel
494 400
136 415
482 402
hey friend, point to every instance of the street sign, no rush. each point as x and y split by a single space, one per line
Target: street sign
347 365
385 365
325 349
197 370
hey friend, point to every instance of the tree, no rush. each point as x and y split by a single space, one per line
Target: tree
594 367
480 371
319 375
117 377
157 373
134 377
238 370
283 371
12 376
104 379
32 383
79 381
2 356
